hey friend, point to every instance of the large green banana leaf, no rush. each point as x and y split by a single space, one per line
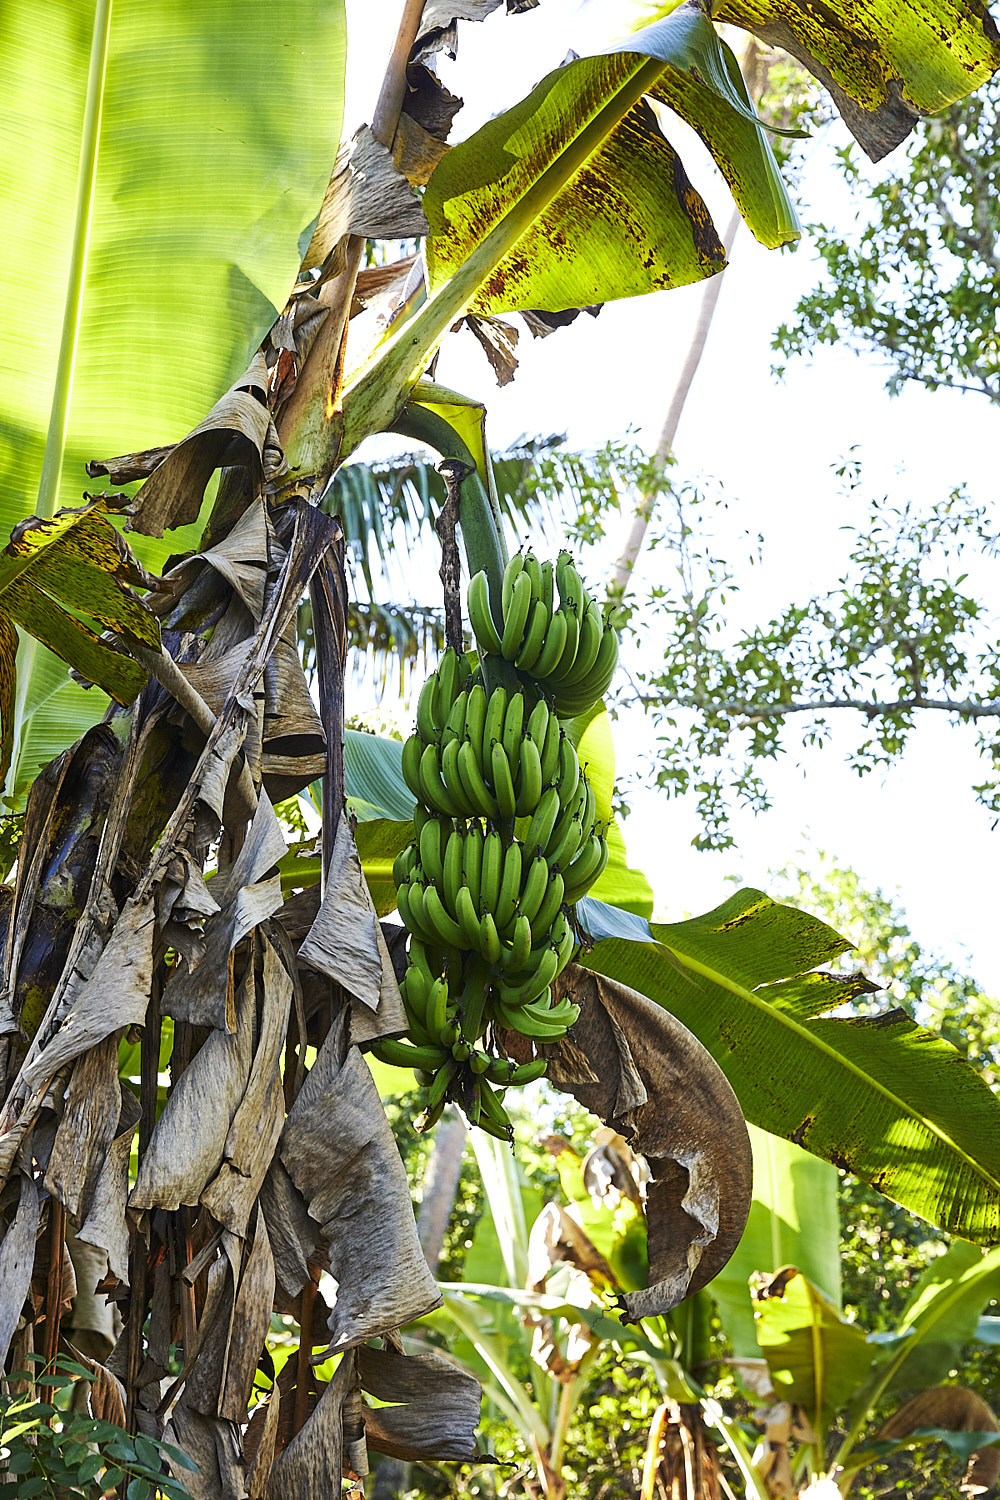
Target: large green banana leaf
878 1095
207 133
793 1222
816 1357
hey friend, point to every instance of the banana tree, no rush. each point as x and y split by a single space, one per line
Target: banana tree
147 896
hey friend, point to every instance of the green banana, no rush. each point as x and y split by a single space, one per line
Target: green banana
434 793
527 1072
479 1062
555 640
587 868
454 725
496 708
437 1007
438 1090
516 995
492 1110
403 864
475 717
405 1055
440 921
490 945
448 681
538 723
568 657
451 867
536 883
569 771
528 788
552 900
515 618
533 638
427 713
413 749
492 870
566 841
510 576
465 911
591 631
429 845
503 786
571 590
554 736
513 728
548 571
520 945
452 779
470 775
510 888
533 569
543 822
481 615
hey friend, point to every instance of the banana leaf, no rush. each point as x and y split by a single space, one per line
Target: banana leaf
877 1095
156 179
886 62
793 1221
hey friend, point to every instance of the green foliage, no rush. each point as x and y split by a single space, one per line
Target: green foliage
917 281
51 1449
900 633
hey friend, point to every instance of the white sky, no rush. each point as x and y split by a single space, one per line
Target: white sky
772 446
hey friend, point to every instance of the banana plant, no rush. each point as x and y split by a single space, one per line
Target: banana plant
830 1373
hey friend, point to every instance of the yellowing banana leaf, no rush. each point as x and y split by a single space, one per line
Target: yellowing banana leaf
878 1095
51 572
574 196
886 62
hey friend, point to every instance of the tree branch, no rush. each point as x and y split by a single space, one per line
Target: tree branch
751 711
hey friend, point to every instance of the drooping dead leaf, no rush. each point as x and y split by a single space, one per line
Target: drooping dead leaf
416 152
113 997
189 1138
432 1405
339 1151
957 1409
247 894
212 1444
345 941
251 1320
105 1225
499 343
311 1463
368 196
292 1233
91 1108
644 1074
240 557
238 431
17 1253
256 1125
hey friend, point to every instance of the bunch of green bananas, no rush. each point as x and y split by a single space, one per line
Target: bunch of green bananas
567 649
505 842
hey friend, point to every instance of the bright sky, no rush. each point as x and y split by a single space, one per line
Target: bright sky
772 447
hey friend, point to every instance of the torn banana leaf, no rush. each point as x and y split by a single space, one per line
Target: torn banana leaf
647 1076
